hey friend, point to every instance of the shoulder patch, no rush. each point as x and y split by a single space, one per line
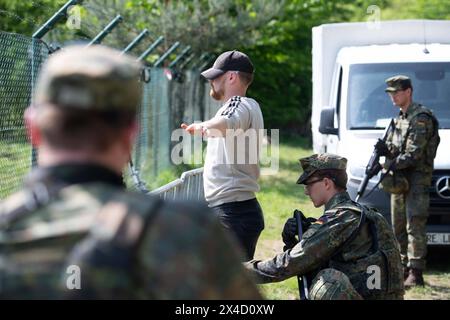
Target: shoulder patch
424 117
421 123
321 220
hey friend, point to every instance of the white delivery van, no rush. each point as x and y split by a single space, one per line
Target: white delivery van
350 108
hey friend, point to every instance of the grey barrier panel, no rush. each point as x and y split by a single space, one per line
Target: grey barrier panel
188 187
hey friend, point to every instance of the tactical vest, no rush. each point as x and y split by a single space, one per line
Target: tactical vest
403 129
384 256
100 235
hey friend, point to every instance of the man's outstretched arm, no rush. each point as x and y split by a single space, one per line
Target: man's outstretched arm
214 127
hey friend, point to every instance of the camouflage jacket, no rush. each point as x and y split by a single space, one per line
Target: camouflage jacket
348 238
414 141
78 221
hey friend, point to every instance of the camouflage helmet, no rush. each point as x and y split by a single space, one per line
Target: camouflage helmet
398 82
331 284
318 162
395 182
90 78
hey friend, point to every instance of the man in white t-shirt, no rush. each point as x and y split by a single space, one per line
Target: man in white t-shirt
234 134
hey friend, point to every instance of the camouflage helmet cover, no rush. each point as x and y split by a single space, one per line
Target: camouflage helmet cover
90 78
317 162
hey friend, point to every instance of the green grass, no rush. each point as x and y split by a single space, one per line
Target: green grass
15 163
437 277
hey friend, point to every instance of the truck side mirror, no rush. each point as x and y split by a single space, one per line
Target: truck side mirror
327 121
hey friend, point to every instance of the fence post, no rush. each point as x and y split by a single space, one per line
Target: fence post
166 54
187 61
150 49
39 34
180 57
135 41
47 26
206 63
99 37
200 60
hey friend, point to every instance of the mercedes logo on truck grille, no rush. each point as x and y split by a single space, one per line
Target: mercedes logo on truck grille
443 187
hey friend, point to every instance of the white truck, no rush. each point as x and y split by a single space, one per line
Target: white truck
350 109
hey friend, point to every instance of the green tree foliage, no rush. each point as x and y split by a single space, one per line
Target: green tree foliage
25 17
276 34
283 56
208 25
283 62
205 25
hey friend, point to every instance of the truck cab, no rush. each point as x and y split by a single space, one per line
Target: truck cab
358 110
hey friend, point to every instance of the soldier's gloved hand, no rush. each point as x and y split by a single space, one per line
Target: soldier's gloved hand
382 148
290 230
306 222
390 164
289 233
393 165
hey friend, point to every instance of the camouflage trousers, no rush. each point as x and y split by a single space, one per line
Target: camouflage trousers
409 218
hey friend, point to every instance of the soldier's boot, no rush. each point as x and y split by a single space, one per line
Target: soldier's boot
415 278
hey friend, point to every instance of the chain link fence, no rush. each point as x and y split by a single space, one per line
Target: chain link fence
166 103
20 60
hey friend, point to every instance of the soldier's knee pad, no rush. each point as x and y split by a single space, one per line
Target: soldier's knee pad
331 284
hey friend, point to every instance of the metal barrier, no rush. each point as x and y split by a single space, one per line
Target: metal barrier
188 187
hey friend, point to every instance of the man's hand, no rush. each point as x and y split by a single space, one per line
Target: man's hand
382 148
194 128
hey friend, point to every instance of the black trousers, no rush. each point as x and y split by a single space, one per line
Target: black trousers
245 220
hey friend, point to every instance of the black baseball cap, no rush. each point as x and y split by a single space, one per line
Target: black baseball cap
229 61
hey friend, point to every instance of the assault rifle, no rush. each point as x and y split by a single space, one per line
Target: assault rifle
373 167
302 281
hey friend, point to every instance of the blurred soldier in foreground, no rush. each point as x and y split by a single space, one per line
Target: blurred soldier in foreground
410 152
73 231
350 252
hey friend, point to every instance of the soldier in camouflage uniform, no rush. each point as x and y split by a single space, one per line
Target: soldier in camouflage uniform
410 151
73 231
350 252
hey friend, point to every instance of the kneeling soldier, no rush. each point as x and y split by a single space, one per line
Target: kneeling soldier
350 252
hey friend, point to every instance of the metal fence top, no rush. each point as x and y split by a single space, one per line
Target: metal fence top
178 182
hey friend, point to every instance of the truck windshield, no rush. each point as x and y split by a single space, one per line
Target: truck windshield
369 107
